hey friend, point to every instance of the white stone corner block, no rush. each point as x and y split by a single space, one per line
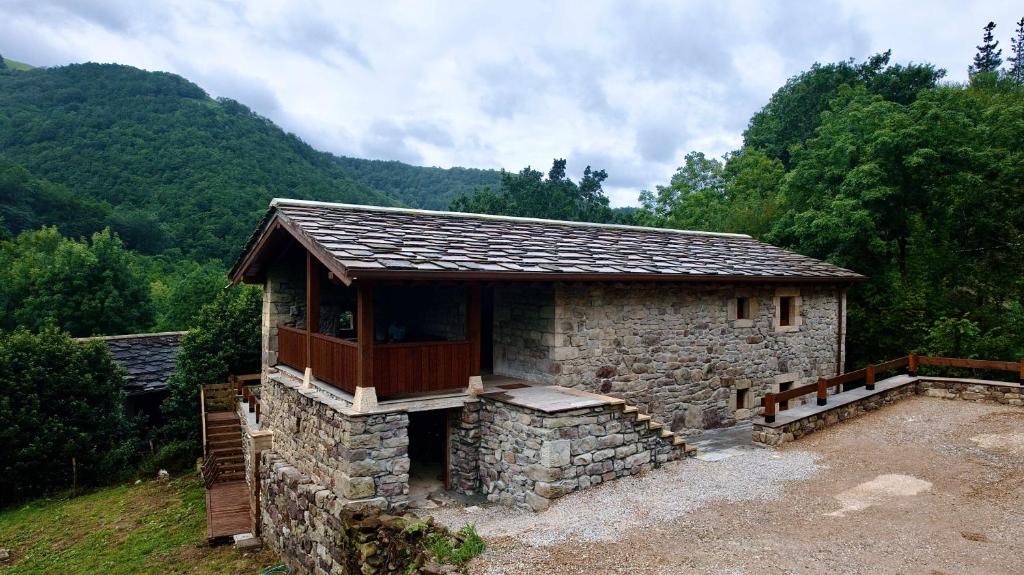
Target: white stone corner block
476 385
307 378
365 399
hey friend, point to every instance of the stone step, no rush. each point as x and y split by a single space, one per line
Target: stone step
643 417
665 433
654 424
691 450
629 409
678 441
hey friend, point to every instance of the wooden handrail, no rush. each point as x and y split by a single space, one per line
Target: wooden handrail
869 373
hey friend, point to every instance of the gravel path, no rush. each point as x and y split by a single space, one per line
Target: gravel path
606 512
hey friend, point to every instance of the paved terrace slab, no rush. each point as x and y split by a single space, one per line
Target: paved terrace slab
551 398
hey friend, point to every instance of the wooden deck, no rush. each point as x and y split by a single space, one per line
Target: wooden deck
227 510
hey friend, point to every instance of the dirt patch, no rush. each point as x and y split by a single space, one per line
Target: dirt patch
1007 442
879 491
939 503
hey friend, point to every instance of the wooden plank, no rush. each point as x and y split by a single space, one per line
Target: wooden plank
968 363
892 364
473 328
228 510
364 333
312 302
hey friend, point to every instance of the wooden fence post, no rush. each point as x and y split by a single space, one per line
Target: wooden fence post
822 391
912 364
769 408
869 377
1022 371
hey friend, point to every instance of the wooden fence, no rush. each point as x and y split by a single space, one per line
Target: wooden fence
869 373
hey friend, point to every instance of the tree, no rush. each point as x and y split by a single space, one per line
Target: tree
224 340
989 56
794 110
62 407
529 194
1016 71
3 63
84 287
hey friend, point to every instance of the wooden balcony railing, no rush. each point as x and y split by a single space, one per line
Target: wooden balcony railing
291 347
398 368
869 373
416 367
335 361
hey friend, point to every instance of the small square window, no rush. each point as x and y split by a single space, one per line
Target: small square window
741 398
742 308
786 386
786 309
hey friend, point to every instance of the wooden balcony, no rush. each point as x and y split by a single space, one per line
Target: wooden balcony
398 368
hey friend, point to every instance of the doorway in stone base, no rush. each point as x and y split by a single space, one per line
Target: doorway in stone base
428 457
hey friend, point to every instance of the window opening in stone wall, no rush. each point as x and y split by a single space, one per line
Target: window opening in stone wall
786 308
784 405
742 308
741 398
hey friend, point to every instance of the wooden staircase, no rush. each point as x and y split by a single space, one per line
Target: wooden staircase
678 443
227 492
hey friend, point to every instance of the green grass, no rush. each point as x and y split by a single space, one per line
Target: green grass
152 528
458 549
13 65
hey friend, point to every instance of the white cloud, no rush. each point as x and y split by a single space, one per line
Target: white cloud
627 87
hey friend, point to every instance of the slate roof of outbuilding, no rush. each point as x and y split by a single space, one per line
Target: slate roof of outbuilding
149 358
368 241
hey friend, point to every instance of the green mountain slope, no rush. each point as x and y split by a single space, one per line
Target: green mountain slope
422 187
193 173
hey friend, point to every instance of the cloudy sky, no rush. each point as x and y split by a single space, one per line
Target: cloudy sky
625 86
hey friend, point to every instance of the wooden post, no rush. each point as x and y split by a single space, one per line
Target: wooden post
1022 371
822 391
473 329
769 408
869 377
912 364
312 305
364 334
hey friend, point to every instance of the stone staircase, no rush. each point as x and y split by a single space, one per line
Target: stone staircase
677 443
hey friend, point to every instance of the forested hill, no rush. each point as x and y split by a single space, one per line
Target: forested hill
168 167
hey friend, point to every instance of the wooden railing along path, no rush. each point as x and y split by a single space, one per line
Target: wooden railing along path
869 373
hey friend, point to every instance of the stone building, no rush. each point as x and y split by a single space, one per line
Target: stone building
518 358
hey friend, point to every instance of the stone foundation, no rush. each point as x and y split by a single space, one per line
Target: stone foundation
464 446
529 458
356 456
945 388
318 533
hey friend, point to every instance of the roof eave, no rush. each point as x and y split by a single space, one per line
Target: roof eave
428 275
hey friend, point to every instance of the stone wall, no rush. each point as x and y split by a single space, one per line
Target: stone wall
529 458
777 435
673 350
464 443
945 388
524 328
988 392
284 303
356 456
318 533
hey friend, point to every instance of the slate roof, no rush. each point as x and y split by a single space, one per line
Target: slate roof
367 242
149 358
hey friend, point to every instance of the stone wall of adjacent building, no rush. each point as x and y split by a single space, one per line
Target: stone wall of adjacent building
319 533
529 458
524 331
673 350
284 303
963 390
356 456
464 446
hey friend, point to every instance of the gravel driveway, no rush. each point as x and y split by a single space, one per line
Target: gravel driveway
923 486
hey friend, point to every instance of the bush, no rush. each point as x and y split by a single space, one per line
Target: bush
225 340
61 401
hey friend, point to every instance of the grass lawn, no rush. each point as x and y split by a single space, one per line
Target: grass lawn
151 528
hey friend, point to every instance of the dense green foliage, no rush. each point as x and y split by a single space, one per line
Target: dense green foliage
83 287
529 194
421 187
923 194
171 170
63 415
224 340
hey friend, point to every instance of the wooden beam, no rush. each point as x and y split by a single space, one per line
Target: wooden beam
312 304
364 333
473 328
